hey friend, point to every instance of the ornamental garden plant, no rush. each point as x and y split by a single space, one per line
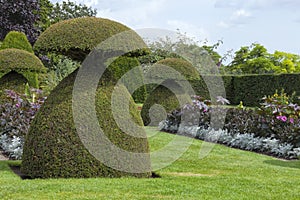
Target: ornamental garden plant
273 128
52 146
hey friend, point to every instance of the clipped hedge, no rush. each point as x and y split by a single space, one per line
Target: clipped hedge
53 148
250 89
17 40
22 62
75 38
165 93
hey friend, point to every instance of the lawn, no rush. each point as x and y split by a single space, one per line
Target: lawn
224 174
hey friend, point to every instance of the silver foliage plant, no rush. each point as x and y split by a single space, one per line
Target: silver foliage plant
13 147
245 141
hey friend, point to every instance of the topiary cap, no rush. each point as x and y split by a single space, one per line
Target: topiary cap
75 38
182 69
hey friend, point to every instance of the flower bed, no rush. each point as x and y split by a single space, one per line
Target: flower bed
273 128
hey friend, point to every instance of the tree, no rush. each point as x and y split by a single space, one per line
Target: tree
19 15
205 58
255 59
53 13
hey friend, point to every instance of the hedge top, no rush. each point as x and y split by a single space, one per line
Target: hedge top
19 60
77 37
183 67
17 40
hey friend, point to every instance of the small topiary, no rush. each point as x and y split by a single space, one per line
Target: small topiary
17 40
22 62
75 38
165 94
53 147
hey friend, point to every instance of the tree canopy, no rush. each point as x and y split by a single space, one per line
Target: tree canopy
19 15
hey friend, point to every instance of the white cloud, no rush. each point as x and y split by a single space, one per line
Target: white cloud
191 30
238 18
241 13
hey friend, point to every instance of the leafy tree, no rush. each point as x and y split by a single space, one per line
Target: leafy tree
19 15
255 59
286 62
183 46
53 13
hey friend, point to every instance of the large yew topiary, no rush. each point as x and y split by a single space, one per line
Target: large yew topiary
165 97
53 148
26 64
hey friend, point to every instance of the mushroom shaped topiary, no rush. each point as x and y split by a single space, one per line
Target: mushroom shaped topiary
54 147
16 61
168 96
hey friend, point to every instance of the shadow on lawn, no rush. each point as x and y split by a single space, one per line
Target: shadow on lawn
284 163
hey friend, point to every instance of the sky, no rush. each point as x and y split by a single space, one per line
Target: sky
273 23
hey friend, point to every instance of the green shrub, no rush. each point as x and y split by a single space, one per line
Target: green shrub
119 68
53 148
11 81
182 67
17 40
165 94
75 38
22 62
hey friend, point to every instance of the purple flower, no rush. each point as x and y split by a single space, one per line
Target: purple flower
18 105
291 120
282 118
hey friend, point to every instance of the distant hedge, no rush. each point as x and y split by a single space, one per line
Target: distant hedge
75 38
250 89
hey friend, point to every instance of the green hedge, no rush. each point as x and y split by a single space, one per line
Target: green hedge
250 89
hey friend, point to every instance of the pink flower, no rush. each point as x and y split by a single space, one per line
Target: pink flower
282 118
291 120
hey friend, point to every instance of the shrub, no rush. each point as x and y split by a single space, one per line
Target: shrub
11 81
16 116
116 71
282 117
17 40
75 38
169 91
22 62
277 118
53 147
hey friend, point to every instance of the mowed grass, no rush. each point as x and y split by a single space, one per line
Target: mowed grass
224 174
